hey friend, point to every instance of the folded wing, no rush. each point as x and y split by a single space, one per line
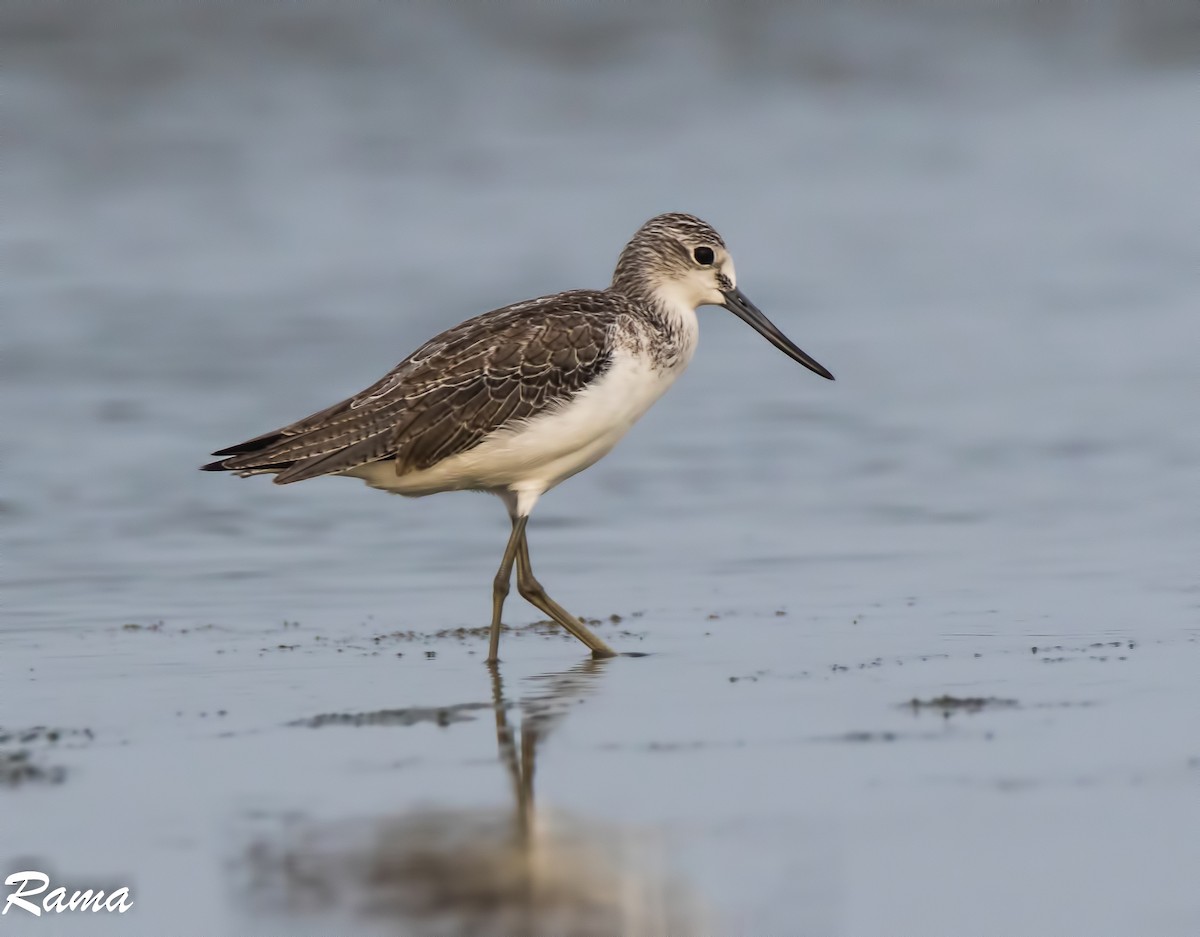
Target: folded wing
498 369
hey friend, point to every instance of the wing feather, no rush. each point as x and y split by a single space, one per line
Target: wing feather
486 374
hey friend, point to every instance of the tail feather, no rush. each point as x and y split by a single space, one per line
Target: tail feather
368 450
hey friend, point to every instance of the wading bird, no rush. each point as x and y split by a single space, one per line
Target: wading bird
519 399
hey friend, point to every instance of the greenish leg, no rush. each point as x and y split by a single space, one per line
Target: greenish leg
500 585
533 591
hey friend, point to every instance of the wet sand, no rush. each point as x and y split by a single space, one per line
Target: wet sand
887 770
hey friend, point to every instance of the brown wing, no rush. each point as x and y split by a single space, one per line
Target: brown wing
487 373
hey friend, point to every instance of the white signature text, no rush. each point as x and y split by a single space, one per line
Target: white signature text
57 900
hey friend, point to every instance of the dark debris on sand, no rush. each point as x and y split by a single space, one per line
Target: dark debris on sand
544 627
437 715
947 704
21 752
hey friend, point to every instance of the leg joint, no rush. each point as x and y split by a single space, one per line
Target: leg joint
528 587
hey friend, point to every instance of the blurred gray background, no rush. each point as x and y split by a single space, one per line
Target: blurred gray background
220 217
981 216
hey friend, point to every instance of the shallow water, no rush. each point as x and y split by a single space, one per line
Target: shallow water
214 227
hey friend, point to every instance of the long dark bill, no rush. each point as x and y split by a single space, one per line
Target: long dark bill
737 303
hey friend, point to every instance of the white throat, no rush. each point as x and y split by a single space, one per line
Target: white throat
677 300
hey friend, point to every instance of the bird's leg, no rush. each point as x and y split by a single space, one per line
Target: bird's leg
533 591
500 584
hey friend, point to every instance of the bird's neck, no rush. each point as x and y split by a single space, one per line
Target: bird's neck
671 320
665 300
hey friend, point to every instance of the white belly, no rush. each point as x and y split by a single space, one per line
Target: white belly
535 456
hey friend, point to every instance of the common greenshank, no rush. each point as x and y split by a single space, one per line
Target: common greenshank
519 399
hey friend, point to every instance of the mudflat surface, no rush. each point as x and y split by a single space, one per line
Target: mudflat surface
920 646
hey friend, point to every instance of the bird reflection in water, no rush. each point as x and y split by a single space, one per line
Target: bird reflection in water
517 871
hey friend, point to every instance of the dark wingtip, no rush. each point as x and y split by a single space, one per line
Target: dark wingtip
215 466
256 444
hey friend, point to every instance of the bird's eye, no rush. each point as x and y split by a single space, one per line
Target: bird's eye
703 255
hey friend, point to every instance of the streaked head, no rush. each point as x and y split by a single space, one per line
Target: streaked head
678 260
